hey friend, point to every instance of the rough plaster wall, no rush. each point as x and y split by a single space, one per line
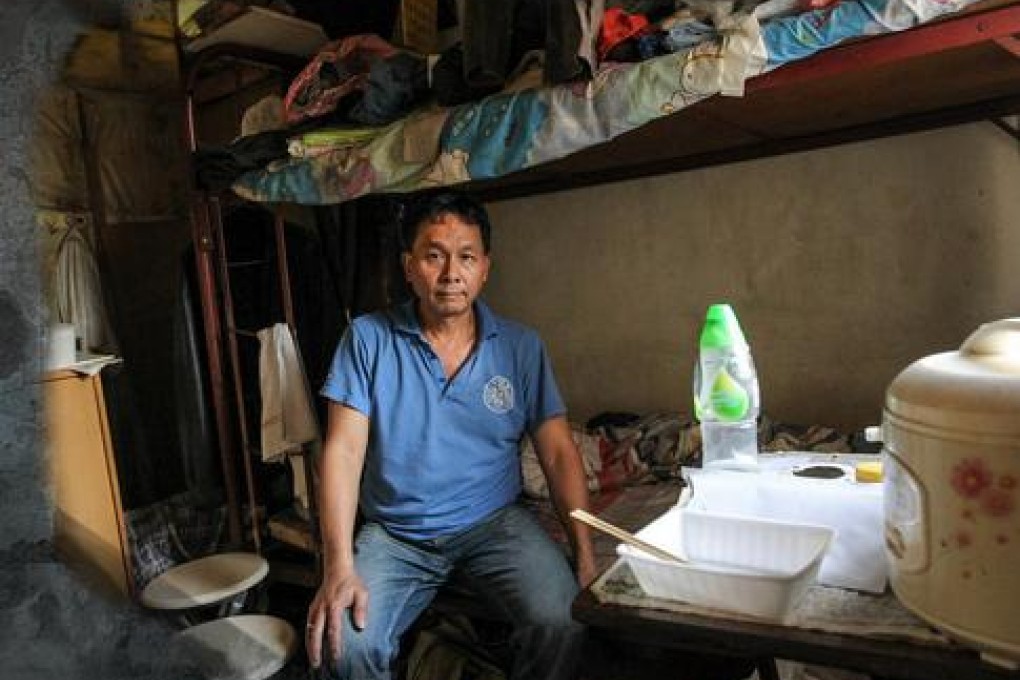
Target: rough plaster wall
27 57
844 265
54 626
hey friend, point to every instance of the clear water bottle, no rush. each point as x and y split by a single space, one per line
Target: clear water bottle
726 396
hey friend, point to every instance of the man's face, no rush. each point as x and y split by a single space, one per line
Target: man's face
447 267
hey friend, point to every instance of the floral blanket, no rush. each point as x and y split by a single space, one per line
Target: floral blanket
511 131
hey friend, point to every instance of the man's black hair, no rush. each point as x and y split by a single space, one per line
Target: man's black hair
428 208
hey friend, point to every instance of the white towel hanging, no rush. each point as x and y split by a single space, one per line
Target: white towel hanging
78 293
288 420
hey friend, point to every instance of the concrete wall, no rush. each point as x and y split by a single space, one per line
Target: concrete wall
844 265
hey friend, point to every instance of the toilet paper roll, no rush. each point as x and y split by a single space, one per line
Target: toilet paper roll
60 346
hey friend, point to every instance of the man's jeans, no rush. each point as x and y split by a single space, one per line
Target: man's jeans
507 559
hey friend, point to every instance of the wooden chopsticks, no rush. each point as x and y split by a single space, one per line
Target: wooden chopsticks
625 536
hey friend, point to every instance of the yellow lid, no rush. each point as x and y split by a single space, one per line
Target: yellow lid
868 471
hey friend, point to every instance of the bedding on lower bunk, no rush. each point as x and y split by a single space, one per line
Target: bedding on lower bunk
511 131
633 466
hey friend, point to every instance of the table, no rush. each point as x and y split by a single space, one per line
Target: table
715 633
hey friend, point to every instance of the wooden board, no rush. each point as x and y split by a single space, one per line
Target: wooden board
88 517
265 29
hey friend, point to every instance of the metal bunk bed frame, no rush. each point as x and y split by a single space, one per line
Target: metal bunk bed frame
222 334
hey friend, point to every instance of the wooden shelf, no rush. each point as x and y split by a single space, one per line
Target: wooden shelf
265 29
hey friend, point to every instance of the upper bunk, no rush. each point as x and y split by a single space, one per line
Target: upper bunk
855 69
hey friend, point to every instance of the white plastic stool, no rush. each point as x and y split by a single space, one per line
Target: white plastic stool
216 579
239 647
244 647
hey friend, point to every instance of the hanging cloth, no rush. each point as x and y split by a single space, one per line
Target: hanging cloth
288 421
78 293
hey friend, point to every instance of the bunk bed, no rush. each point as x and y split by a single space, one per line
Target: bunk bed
846 71
856 70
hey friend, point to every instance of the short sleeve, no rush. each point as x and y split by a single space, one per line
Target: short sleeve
349 379
544 400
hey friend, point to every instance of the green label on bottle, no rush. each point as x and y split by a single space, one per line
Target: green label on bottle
728 398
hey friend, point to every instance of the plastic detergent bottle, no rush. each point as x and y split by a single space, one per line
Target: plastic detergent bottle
726 397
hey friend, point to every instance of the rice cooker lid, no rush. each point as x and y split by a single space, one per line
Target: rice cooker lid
973 391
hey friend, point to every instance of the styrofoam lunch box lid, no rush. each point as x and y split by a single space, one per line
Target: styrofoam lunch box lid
765 548
754 544
973 390
738 564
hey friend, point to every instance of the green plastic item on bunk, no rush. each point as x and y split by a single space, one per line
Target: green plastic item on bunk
337 136
326 139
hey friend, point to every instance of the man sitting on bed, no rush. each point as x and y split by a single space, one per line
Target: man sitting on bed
428 404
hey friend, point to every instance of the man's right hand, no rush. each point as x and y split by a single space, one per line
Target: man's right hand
339 592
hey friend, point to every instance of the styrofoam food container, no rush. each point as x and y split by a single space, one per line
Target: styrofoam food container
746 565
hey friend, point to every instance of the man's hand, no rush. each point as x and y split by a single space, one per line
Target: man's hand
586 572
343 455
338 593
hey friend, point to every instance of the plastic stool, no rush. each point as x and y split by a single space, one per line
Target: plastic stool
238 647
216 579
244 647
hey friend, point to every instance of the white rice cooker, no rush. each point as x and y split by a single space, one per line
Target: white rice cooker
952 490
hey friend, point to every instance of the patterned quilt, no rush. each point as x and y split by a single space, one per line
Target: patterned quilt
508 132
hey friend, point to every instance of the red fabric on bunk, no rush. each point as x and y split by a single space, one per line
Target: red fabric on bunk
618 26
340 68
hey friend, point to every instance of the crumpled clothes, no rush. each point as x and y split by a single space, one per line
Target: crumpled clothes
216 168
667 442
360 79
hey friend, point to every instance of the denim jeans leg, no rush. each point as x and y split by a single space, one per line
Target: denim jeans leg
401 580
524 575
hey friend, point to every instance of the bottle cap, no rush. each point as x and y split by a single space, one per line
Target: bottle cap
868 471
721 328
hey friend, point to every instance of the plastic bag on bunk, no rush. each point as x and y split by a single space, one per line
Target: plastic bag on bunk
360 79
338 70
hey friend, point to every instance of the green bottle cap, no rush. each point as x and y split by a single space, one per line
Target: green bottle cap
721 328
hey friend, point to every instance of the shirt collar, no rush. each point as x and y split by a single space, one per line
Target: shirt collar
406 321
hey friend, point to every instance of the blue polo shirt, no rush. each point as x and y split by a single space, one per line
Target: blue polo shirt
442 454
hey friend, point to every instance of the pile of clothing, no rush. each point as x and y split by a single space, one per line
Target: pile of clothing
357 85
627 449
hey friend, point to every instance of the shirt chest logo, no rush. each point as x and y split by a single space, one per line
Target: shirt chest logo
498 394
